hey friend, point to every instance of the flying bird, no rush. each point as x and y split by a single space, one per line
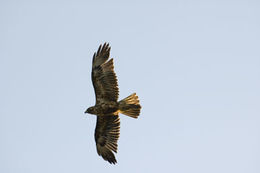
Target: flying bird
107 107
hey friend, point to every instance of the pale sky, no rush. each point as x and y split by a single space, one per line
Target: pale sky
195 66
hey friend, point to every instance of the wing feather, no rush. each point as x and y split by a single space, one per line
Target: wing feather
103 76
106 136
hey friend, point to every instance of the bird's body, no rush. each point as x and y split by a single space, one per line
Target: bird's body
102 109
107 107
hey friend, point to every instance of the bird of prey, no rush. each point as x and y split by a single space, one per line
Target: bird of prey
107 107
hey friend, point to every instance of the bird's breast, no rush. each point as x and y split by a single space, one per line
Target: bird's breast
106 108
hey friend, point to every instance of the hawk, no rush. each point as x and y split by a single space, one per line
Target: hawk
107 107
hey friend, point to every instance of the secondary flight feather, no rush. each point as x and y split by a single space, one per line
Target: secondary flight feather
107 107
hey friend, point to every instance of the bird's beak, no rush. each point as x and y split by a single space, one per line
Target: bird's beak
86 111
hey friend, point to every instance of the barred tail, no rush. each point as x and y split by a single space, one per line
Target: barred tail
130 106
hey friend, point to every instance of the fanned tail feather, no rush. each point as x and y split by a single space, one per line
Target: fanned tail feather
130 106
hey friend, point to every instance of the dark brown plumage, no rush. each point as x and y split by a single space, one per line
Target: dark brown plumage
107 106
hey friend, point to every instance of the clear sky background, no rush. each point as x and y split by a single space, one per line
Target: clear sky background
194 64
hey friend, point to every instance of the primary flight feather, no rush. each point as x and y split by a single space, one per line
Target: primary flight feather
107 107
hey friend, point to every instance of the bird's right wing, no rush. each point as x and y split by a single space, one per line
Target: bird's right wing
106 136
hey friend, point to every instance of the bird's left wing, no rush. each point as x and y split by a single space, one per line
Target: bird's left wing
106 136
103 76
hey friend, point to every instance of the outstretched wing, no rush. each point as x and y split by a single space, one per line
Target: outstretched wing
106 136
103 76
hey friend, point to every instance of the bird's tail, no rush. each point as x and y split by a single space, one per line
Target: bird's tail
130 106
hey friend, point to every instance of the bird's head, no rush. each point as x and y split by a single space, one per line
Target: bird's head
90 110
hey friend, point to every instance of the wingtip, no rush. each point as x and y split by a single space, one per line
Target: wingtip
106 44
112 161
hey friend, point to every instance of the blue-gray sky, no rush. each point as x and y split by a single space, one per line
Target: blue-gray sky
194 64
